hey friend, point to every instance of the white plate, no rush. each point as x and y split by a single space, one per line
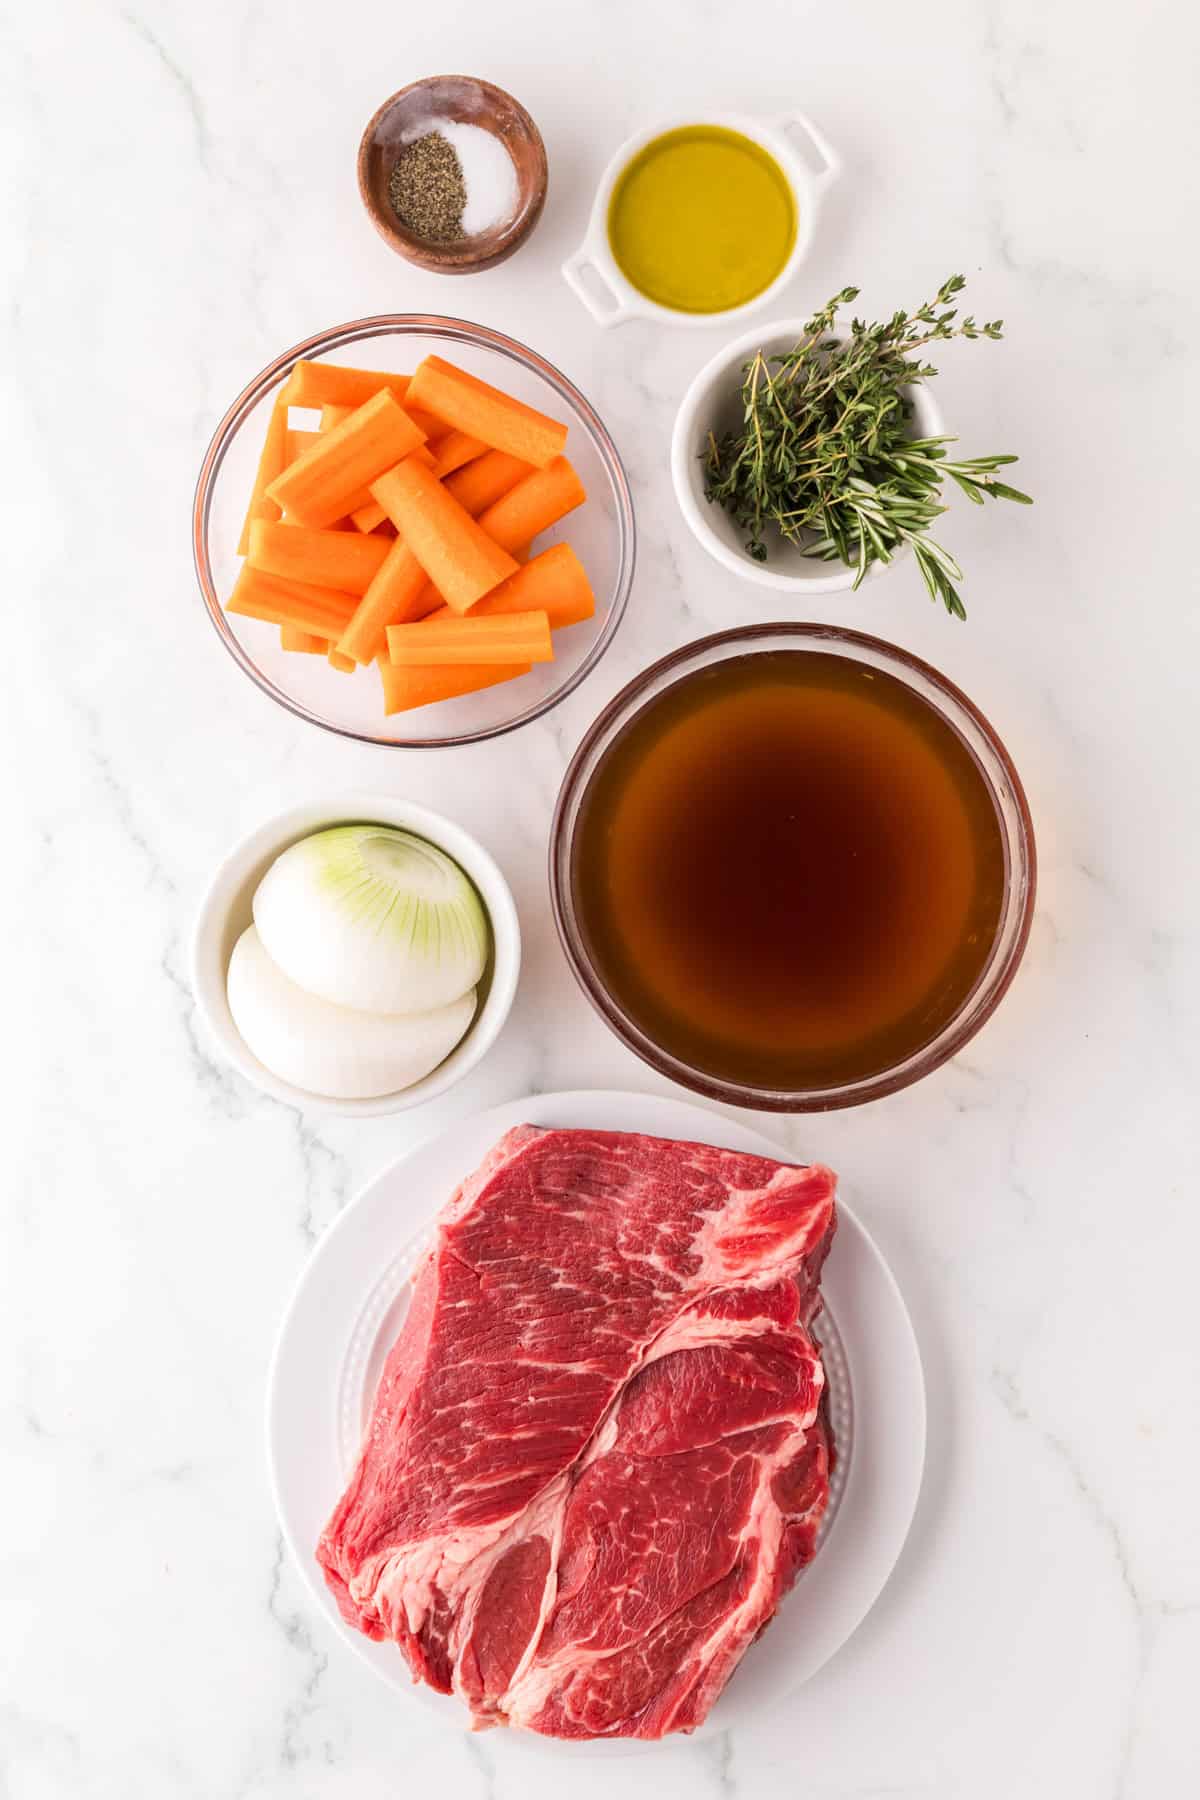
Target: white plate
351 1298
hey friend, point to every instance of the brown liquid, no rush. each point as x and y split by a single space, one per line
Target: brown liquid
788 870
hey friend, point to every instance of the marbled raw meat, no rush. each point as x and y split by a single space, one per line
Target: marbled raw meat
597 1456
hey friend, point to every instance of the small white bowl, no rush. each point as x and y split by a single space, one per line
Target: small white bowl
226 912
593 273
713 403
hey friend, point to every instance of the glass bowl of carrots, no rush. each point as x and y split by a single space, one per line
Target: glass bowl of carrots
413 531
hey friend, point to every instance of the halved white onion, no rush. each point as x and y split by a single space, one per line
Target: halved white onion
338 1051
375 918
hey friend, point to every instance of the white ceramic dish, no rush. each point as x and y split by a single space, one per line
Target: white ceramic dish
225 914
712 403
352 1298
593 272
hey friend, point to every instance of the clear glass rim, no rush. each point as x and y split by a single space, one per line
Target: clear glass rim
456 331
1016 825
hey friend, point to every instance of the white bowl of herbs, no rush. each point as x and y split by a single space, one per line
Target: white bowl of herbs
810 457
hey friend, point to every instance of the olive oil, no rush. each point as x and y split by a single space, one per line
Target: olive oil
789 870
702 219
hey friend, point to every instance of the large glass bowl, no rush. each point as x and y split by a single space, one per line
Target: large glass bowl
601 531
995 766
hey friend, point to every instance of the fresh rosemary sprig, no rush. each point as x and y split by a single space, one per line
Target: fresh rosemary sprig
824 454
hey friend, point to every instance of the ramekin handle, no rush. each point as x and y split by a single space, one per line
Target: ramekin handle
831 161
583 264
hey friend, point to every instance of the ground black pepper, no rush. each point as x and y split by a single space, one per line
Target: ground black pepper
427 190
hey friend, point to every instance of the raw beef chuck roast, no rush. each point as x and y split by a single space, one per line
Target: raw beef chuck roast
598 1456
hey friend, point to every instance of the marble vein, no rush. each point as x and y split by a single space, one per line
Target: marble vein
179 80
298 1636
1146 1614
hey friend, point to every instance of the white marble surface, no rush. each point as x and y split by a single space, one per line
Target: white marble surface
180 204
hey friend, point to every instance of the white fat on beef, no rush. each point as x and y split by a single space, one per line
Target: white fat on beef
605 1364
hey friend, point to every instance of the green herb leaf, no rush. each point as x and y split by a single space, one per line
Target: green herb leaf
823 458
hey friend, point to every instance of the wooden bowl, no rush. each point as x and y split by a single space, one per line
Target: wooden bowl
469 102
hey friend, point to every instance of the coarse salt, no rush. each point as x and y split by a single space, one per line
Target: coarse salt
489 172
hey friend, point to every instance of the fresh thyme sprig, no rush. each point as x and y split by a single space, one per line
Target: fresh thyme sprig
824 455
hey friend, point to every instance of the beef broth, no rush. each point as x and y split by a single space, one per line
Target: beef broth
789 870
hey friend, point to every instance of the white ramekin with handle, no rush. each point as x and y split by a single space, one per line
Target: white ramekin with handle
713 403
809 164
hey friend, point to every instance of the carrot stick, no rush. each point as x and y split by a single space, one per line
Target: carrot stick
345 665
330 384
369 510
512 638
453 450
394 602
271 463
485 412
534 504
555 583
314 384
404 689
484 481
325 482
399 594
322 611
292 638
298 442
333 415
429 422
333 559
474 486
458 557
367 517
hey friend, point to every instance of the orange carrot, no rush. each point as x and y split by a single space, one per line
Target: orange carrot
333 415
292 638
511 638
345 665
555 583
333 559
404 689
534 504
298 442
429 422
362 506
322 611
474 487
323 484
271 463
330 384
485 412
484 481
454 449
367 517
459 558
399 593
